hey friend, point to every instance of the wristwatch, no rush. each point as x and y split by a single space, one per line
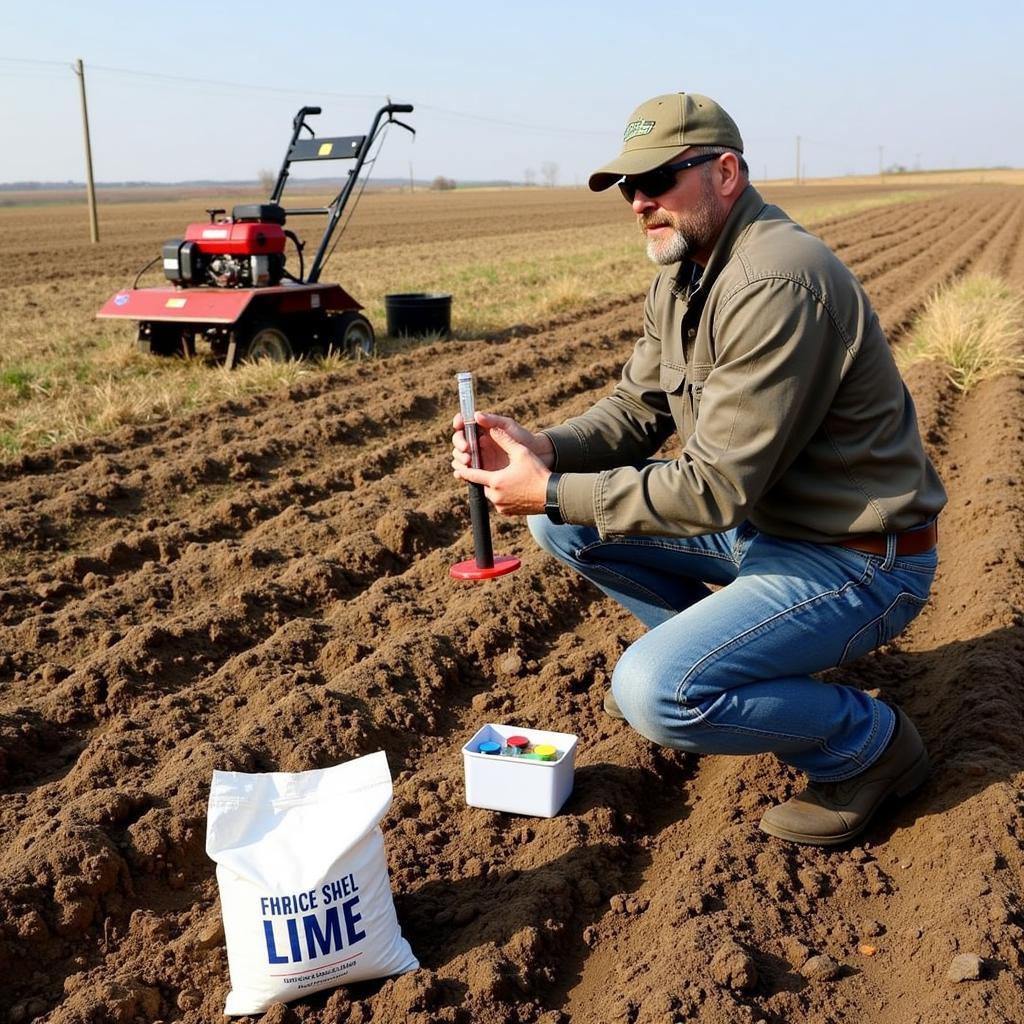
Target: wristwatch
551 509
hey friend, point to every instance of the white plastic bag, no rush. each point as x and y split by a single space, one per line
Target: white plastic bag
304 885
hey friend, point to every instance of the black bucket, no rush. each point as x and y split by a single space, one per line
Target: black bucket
418 313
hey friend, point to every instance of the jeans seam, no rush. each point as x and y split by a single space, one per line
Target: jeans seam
843 776
821 742
744 730
645 543
900 598
916 569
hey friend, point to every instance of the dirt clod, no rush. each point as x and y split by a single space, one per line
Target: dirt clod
733 967
821 968
965 967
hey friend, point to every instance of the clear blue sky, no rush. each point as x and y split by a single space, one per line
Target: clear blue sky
207 90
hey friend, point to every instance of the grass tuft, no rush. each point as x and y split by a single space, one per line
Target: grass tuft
974 326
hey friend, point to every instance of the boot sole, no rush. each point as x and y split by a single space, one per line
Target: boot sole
911 779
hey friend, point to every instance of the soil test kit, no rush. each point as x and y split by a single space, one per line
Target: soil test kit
519 784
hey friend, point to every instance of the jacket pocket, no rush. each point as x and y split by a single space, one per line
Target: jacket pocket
882 629
672 379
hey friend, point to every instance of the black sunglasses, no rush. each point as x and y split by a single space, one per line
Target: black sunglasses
661 179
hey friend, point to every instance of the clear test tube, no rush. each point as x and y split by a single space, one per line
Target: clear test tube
467 406
479 514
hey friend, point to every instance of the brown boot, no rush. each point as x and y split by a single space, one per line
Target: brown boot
611 706
830 813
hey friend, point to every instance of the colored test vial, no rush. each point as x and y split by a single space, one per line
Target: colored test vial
545 752
489 747
517 745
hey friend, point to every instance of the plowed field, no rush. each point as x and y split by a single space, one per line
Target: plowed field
265 587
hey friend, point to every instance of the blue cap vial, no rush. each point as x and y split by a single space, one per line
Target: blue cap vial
489 747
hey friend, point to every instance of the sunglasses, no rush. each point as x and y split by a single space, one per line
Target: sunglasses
661 179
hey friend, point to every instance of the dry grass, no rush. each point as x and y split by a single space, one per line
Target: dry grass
507 257
126 388
811 210
913 179
975 327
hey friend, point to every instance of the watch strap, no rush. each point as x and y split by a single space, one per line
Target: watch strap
551 509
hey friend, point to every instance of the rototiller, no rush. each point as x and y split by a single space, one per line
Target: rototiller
229 282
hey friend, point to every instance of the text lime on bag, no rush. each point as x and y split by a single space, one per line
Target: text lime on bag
303 878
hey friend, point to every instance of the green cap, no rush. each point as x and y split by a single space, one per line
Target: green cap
661 128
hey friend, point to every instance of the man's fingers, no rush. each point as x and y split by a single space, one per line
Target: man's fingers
471 475
505 441
490 421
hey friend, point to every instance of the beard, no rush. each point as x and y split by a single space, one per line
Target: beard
691 231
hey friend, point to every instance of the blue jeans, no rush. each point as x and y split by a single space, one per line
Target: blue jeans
729 671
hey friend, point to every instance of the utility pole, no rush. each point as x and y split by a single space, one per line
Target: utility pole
90 187
797 179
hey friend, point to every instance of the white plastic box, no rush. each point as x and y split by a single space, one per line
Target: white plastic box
514 784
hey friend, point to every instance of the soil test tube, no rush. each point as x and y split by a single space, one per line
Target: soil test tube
485 565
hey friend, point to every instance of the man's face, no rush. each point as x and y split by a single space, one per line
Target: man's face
685 221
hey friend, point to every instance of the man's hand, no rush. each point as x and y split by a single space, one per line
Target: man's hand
515 464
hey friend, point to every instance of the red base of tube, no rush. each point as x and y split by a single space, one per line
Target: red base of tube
469 570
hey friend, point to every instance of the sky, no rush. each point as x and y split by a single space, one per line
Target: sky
200 90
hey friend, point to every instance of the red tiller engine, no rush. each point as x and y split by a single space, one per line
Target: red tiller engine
245 250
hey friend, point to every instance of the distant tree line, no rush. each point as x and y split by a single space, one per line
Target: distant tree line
548 172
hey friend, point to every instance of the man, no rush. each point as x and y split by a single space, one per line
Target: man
802 490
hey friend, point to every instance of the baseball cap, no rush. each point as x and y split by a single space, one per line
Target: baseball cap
658 129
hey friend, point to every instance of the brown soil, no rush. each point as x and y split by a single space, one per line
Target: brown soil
264 586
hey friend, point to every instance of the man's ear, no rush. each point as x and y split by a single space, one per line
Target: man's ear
731 178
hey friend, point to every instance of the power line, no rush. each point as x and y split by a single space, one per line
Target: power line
511 124
232 85
223 83
30 60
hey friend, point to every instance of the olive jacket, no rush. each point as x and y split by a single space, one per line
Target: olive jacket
777 377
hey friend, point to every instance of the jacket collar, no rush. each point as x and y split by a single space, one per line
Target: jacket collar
744 212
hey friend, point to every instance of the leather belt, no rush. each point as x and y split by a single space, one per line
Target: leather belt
910 542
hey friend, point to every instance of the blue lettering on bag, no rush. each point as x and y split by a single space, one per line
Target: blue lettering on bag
319 939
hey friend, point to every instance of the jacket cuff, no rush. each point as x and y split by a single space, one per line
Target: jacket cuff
576 498
569 449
